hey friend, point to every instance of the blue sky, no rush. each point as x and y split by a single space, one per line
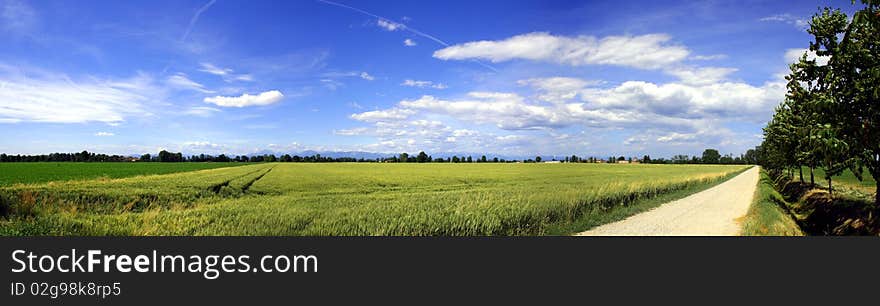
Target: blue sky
516 78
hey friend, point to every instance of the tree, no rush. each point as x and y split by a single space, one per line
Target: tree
404 157
855 67
537 159
711 156
422 157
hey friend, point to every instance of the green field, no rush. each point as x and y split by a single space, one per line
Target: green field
346 199
27 173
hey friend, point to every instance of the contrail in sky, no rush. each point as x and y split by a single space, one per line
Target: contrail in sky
195 18
403 26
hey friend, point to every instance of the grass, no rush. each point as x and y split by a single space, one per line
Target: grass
352 199
846 179
768 214
30 173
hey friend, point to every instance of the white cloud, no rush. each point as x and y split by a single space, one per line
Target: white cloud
464 133
331 84
389 25
193 147
409 42
245 77
366 76
423 84
727 100
225 73
679 107
651 51
181 81
708 57
558 89
212 69
264 98
352 132
16 16
43 96
104 134
201 111
382 115
355 105
799 23
794 55
701 76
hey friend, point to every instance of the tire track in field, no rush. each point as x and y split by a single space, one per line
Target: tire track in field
217 187
247 185
712 212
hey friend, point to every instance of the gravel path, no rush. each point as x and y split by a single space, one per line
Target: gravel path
712 212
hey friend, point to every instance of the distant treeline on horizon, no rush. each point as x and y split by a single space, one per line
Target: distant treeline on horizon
710 156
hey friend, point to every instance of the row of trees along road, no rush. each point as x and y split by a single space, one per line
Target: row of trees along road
830 117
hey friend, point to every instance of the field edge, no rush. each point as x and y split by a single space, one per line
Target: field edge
589 222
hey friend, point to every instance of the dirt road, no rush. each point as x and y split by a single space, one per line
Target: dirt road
712 212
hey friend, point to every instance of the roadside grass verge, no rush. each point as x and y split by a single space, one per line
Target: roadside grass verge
768 215
850 211
626 209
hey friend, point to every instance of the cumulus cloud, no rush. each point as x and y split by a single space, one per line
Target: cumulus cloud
569 102
558 89
651 51
793 55
381 115
409 42
423 84
264 98
57 98
701 76
366 76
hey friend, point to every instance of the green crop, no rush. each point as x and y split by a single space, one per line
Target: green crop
344 199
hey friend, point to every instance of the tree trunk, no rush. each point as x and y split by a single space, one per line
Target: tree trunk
877 195
875 173
801 170
830 193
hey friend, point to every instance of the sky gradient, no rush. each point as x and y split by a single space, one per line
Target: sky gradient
513 78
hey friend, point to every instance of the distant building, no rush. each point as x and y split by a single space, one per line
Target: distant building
622 161
552 162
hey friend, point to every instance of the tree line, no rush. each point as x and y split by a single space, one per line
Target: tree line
710 156
830 117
